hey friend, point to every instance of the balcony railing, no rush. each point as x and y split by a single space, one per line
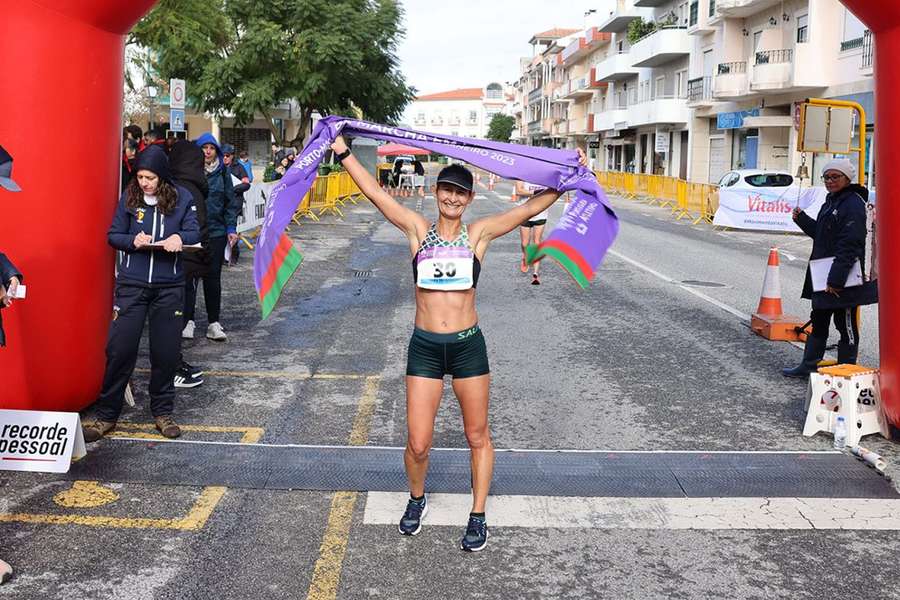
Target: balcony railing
774 57
657 30
699 89
852 44
730 68
868 50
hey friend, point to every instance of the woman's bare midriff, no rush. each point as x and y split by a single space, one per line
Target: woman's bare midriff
445 312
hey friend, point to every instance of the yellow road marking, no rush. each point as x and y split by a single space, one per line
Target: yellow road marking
193 521
85 494
79 495
327 572
251 435
359 434
287 375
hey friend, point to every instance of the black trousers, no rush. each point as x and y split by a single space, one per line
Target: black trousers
846 321
134 304
212 284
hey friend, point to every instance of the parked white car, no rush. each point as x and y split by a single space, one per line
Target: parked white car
754 178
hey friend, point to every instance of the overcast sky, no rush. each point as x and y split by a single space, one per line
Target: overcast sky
470 43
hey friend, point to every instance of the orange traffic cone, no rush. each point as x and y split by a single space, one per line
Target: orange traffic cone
769 320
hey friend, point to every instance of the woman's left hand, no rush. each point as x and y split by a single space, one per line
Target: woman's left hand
173 243
582 157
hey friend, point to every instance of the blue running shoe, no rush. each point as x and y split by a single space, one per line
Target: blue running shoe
476 535
411 522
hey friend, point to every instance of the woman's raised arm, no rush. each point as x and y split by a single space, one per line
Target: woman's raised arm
408 221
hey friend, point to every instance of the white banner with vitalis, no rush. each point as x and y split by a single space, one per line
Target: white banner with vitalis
766 208
46 442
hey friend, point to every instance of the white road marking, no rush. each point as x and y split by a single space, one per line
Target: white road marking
385 508
739 314
496 450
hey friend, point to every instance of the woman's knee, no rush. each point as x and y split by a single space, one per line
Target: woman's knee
418 449
478 437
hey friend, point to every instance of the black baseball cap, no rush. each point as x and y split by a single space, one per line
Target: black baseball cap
6 181
457 175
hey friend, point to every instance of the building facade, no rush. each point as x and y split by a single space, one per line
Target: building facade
752 62
464 112
693 88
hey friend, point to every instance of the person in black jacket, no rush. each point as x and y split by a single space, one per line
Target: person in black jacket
241 184
839 231
154 220
186 163
10 276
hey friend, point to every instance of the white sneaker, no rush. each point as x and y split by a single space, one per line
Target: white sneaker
215 332
188 331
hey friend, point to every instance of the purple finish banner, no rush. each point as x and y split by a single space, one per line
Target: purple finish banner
578 242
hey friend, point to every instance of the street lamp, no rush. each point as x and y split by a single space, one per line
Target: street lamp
151 94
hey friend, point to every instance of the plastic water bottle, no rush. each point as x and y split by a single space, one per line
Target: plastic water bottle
840 433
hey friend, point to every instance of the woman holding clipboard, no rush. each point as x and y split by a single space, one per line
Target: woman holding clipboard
154 220
839 236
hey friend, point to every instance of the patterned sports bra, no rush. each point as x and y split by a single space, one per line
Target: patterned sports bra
448 266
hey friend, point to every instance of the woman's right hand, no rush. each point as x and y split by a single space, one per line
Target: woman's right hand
795 214
141 240
339 145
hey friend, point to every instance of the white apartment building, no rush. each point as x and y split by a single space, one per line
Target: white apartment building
464 112
752 61
642 116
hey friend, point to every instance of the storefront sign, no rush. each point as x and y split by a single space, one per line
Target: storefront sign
734 120
41 441
662 142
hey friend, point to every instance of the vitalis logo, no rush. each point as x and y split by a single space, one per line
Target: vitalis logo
37 440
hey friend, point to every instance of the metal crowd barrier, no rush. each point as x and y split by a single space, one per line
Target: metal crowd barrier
698 201
326 195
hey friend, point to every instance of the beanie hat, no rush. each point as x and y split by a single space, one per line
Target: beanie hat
843 165
153 158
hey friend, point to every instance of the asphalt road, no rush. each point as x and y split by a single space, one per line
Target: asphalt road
635 363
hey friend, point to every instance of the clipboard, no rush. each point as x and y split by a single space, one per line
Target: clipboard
821 267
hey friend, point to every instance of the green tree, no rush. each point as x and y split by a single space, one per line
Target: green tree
500 127
246 56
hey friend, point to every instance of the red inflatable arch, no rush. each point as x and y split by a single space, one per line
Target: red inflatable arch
60 101
61 119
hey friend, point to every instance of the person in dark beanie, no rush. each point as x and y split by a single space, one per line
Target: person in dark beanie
186 162
221 219
154 219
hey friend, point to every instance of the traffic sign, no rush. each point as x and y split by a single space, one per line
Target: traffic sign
177 93
176 120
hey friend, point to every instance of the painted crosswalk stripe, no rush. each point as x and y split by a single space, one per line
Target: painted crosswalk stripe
385 508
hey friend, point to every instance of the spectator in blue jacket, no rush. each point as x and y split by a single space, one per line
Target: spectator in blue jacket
221 214
153 221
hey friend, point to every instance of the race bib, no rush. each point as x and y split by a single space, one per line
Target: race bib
445 268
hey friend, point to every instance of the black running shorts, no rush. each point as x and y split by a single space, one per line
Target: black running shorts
460 354
534 223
